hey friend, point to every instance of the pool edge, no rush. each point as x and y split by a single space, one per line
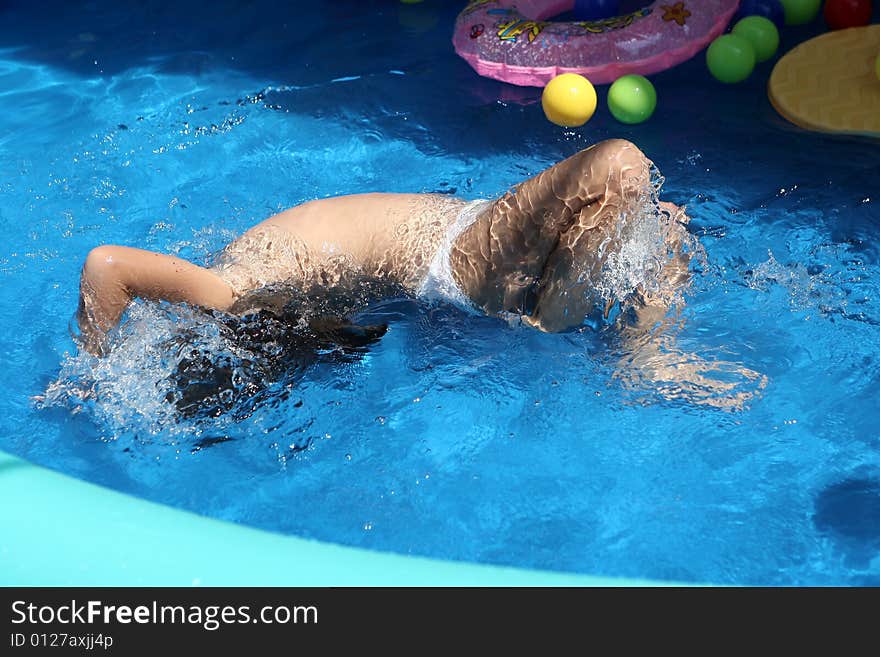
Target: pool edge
61 531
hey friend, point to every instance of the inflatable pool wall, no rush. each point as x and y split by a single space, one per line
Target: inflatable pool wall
60 531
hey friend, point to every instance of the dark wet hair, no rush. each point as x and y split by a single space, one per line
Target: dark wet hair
283 331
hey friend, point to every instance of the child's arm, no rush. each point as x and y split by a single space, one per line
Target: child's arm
114 275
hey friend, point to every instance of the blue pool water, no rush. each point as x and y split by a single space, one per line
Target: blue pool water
176 128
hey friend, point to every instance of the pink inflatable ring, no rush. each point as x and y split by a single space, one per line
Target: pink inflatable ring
509 40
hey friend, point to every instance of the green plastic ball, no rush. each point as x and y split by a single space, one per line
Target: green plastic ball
632 99
761 33
800 12
877 67
730 58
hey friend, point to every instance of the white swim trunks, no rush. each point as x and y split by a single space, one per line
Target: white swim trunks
438 284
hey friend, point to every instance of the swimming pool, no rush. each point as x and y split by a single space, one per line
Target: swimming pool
454 437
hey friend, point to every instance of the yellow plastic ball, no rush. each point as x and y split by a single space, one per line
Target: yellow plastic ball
569 100
877 66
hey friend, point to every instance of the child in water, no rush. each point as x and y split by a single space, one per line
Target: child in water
557 250
537 252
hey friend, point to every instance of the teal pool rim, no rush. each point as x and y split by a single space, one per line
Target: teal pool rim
61 531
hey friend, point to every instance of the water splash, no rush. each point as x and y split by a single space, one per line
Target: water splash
174 374
647 237
829 289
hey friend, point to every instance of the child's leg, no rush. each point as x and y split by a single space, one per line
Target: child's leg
502 259
621 173
567 290
597 176
114 275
